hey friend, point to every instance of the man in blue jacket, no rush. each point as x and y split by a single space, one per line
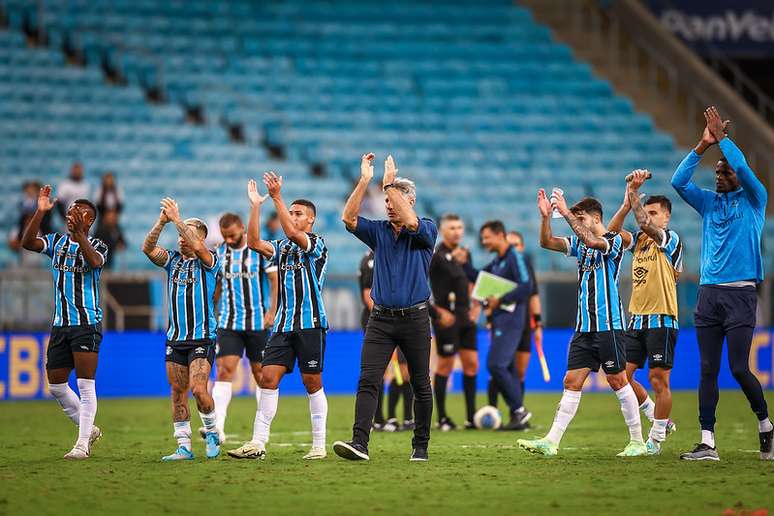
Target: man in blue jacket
507 315
731 266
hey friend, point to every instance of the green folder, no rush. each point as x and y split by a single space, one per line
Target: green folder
488 285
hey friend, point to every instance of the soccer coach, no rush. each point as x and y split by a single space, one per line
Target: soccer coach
403 247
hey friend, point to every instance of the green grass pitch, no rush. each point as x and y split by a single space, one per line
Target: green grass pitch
479 472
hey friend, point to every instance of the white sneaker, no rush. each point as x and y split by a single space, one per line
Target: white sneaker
315 454
96 435
77 453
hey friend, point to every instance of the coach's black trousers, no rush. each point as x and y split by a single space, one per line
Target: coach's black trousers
411 333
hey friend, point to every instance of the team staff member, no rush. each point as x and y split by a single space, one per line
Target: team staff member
533 323
731 265
507 318
451 292
366 279
403 246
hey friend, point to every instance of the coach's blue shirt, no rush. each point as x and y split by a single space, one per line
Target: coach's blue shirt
732 222
191 289
401 262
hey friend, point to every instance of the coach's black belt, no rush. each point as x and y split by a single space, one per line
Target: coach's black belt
400 312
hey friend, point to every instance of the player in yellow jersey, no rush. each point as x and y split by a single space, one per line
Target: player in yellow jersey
652 334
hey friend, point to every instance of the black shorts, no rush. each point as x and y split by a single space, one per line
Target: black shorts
308 346
66 340
448 341
597 348
657 345
525 344
250 343
727 307
184 352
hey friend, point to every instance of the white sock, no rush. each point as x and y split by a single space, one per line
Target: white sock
87 411
183 434
67 399
630 411
221 393
708 438
658 430
648 408
568 406
318 410
264 415
765 425
209 421
257 397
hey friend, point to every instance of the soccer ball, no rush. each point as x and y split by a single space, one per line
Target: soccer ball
488 417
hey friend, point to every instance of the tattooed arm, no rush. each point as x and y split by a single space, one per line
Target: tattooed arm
584 234
188 233
643 219
158 255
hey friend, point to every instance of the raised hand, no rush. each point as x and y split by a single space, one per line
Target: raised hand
715 125
638 178
169 207
559 204
389 171
543 203
256 199
273 184
44 199
163 216
367 166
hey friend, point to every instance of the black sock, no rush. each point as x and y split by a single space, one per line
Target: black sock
379 416
408 401
440 394
469 387
492 391
393 395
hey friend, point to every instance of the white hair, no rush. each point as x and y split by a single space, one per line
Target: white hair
406 187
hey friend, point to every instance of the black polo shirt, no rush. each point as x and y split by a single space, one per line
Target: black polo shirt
447 277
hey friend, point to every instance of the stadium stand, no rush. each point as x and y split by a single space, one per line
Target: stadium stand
475 100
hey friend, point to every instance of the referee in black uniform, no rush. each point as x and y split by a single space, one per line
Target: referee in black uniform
451 292
403 247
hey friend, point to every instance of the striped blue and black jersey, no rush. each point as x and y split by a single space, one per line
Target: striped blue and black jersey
301 277
599 305
190 290
76 283
241 294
